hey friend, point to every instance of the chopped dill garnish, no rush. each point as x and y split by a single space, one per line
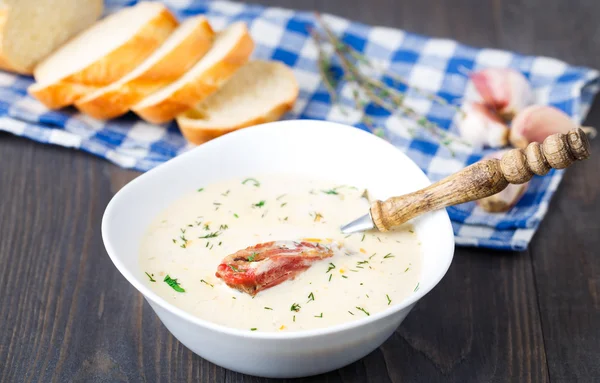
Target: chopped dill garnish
150 276
206 227
388 255
379 239
311 297
223 227
235 269
259 204
253 329
295 307
411 231
207 243
190 225
283 204
330 275
252 256
359 267
220 243
206 283
343 276
331 267
226 193
372 255
362 262
235 215
330 191
233 298
388 298
294 318
182 231
416 287
174 240
363 310
348 235
319 316
201 189
268 308
408 268
174 284
367 295
280 197
354 271
198 223
211 235
351 313
363 238
254 181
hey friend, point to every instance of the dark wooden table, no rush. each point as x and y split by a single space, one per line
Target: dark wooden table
66 314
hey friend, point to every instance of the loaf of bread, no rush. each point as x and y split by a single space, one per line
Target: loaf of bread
141 59
32 29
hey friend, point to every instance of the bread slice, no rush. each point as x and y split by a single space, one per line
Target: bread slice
102 54
230 50
179 52
261 91
32 29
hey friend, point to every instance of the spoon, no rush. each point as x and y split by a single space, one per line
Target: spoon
480 180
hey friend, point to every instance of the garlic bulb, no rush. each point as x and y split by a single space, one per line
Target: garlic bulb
480 127
507 198
504 90
537 122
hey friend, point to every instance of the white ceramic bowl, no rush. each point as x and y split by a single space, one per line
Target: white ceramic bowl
320 149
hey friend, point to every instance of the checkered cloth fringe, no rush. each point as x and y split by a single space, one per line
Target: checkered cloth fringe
435 65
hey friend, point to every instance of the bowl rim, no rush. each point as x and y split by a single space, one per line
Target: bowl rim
447 253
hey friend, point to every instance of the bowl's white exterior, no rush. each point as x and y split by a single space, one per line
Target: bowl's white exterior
321 149
287 357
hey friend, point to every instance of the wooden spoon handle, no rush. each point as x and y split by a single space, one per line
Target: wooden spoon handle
484 178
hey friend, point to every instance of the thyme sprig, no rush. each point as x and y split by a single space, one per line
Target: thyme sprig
375 91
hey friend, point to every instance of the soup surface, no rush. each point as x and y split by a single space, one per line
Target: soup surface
185 244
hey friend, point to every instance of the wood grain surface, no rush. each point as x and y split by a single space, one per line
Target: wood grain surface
67 315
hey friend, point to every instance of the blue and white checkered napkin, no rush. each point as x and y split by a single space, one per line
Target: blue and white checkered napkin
435 65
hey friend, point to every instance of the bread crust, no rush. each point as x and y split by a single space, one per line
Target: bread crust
110 101
194 91
200 131
109 68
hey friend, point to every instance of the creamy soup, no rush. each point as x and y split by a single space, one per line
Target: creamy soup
185 244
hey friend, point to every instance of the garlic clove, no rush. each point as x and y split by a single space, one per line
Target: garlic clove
507 198
505 90
480 127
537 122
